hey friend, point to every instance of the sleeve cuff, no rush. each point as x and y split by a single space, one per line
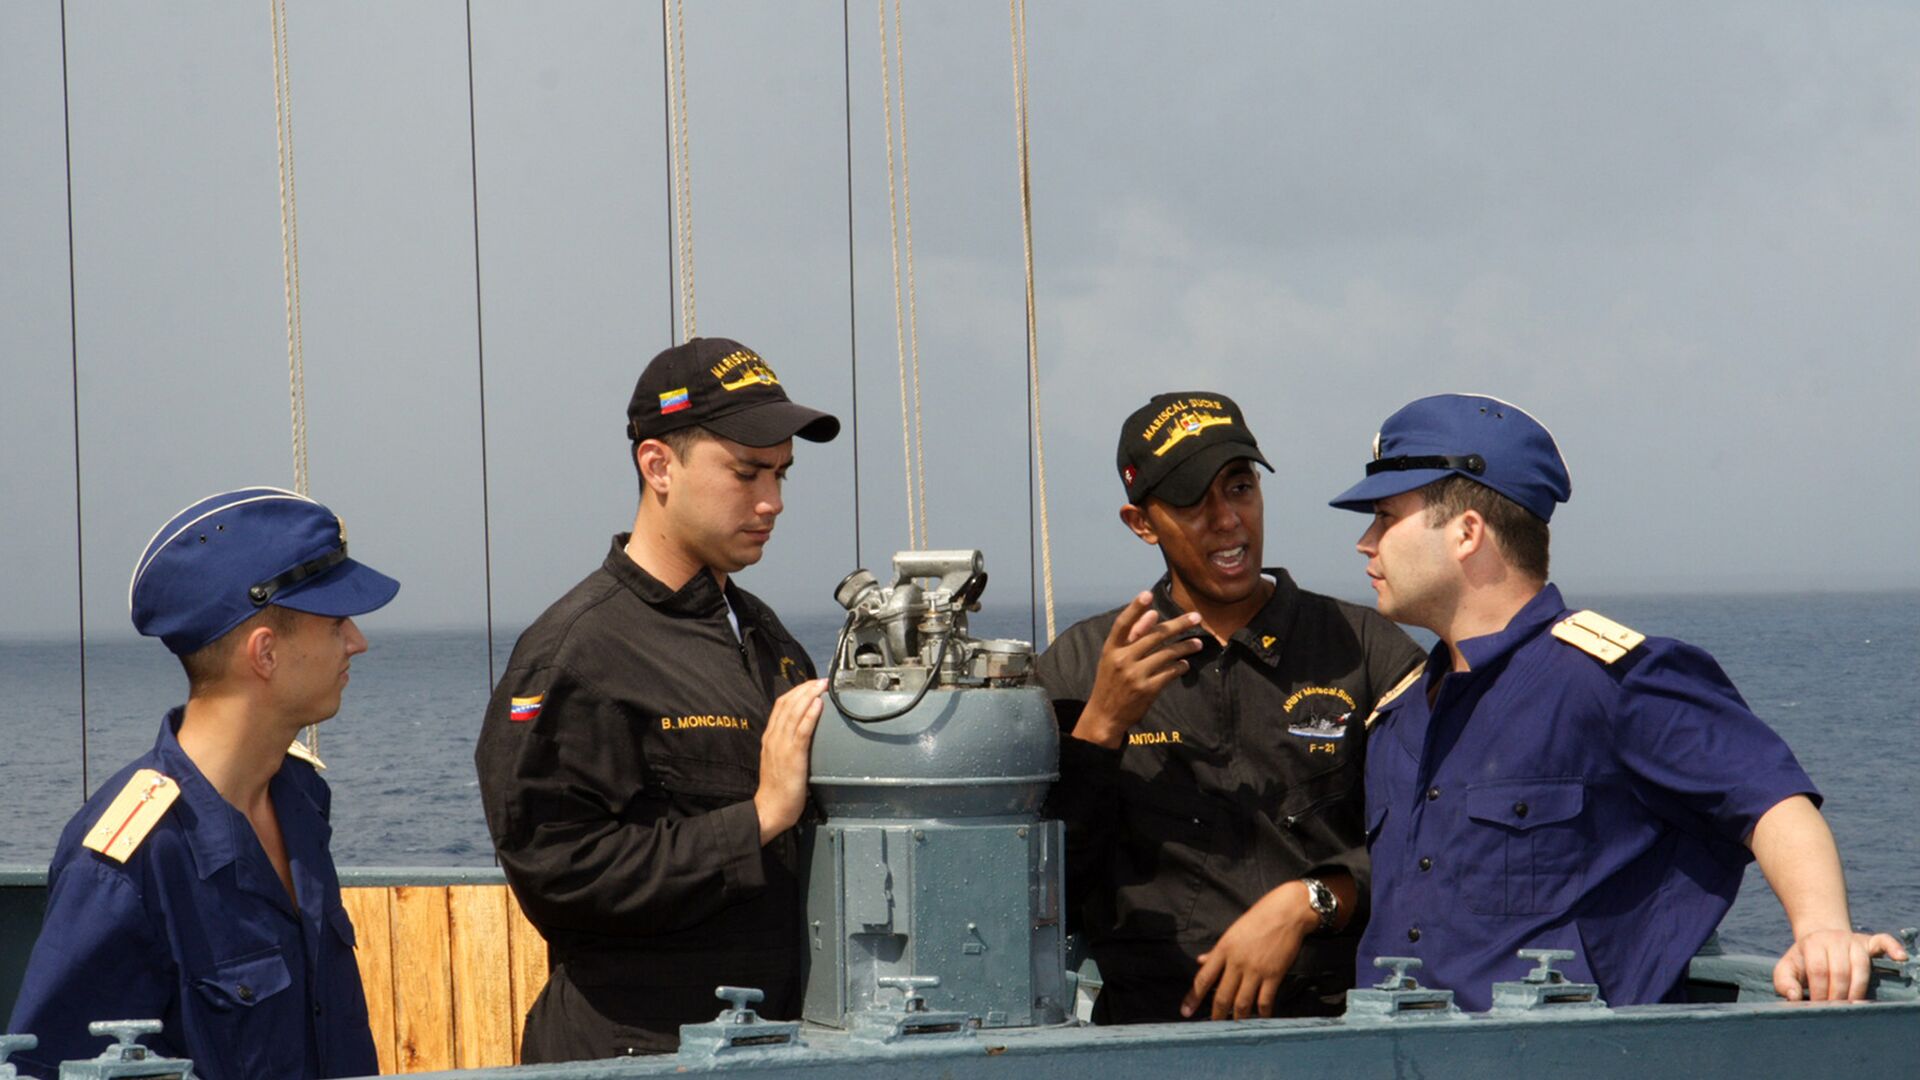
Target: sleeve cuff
744 871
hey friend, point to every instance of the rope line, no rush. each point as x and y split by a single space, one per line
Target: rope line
853 324
73 338
290 248
480 351
290 265
1017 17
899 312
679 156
906 331
666 132
913 293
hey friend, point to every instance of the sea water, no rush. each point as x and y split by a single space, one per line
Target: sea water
1834 674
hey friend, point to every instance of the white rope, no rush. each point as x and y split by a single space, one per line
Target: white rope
290 266
1017 17
906 313
681 166
290 244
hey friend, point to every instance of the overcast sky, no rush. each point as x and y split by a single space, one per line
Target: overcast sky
1685 236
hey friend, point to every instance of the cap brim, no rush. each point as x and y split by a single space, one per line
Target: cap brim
773 423
1188 482
1361 496
351 588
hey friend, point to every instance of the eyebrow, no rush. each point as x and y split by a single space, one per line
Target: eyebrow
752 461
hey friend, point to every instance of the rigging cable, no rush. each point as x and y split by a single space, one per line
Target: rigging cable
1017 17
666 132
853 324
290 245
480 350
906 322
73 337
290 265
679 164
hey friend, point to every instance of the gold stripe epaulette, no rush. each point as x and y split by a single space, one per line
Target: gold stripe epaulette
132 815
300 752
1598 636
1401 688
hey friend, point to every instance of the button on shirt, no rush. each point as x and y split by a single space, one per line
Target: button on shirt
1548 800
1243 775
195 930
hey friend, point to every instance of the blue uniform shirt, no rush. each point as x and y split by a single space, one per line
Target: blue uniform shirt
195 930
1548 800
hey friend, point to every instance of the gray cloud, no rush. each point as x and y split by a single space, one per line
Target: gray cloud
1684 237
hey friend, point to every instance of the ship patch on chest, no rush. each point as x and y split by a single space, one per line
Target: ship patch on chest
1319 714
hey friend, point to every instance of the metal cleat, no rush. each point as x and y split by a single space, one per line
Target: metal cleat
1898 980
125 1058
1545 987
1400 996
10 1043
738 1030
912 1019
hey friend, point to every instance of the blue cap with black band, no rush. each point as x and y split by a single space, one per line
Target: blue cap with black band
217 562
1481 438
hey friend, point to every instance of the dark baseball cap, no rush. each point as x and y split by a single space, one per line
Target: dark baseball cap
1481 438
725 387
227 556
1173 446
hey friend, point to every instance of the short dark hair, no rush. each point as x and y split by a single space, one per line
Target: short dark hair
206 664
679 440
1523 538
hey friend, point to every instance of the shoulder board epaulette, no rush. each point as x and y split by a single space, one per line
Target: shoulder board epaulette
132 815
1597 635
299 751
1413 678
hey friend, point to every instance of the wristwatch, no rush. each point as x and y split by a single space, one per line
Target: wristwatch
1323 902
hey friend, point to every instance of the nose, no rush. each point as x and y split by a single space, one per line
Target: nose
356 641
1369 542
1222 515
770 503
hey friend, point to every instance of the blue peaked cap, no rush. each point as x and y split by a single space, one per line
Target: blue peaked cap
214 564
1481 438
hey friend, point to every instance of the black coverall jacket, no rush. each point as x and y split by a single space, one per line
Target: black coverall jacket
1243 775
618 761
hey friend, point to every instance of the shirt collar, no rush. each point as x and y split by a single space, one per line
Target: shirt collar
215 835
700 596
210 836
1526 624
1265 635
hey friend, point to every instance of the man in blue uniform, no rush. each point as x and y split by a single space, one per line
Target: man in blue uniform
1557 780
195 887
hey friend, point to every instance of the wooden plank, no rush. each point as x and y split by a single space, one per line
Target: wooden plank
373 951
529 966
422 998
483 1019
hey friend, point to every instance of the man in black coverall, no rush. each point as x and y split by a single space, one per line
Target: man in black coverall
644 758
1213 733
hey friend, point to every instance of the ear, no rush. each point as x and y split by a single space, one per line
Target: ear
260 652
1468 534
1137 520
653 458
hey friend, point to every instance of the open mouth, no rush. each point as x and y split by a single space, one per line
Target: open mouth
1231 560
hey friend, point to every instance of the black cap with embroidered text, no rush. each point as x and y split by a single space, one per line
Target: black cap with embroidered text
1173 446
725 387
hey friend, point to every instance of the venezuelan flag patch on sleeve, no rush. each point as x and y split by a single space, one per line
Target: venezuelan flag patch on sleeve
674 400
522 709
